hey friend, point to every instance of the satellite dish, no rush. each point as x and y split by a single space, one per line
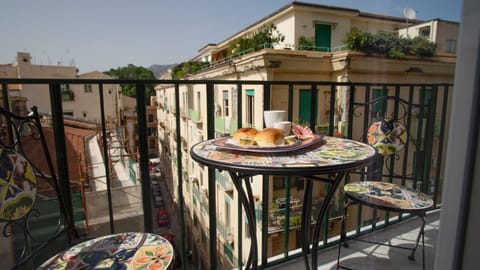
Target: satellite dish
409 13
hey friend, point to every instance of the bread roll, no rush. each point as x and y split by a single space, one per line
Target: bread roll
244 133
270 137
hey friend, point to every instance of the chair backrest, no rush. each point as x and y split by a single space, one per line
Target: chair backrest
33 217
402 133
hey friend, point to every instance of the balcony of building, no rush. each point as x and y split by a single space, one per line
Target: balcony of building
209 242
364 255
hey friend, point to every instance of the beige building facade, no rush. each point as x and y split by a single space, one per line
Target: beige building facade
36 95
86 100
80 101
283 62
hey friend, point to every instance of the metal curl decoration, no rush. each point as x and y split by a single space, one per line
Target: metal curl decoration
13 130
397 100
36 214
8 224
354 111
388 159
9 233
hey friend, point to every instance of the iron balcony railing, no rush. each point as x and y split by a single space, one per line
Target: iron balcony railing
326 114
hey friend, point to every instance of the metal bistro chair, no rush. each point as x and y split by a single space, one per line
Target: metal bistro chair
389 136
33 216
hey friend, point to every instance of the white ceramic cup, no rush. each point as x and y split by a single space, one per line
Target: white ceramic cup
271 117
285 126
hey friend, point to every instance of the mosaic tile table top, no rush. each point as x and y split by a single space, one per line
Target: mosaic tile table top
328 153
119 251
18 185
389 196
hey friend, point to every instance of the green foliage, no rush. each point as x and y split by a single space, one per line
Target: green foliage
396 54
185 68
422 47
294 221
388 44
382 42
132 72
264 37
357 40
306 44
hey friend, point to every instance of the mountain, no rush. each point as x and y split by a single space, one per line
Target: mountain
158 70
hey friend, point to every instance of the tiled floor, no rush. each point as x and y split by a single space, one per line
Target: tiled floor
361 255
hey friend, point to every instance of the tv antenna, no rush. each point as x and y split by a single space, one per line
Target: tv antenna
409 14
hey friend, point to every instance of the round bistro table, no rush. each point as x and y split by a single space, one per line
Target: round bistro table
129 250
310 158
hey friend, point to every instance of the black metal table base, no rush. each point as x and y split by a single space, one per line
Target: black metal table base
343 241
246 198
305 226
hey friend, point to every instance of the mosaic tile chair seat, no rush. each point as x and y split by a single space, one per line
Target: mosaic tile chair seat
380 191
33 217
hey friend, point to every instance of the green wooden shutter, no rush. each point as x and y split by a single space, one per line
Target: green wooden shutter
323 37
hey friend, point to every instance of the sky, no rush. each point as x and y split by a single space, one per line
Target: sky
104 34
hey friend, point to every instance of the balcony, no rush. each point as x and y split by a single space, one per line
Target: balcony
225 125
224 181
68 95
195 116
278 252
361 255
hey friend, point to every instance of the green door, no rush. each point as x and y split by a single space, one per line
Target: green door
323 37
304 106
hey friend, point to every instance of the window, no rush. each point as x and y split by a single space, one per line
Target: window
300 183
185 103
65 88
152 144
67 94
305 105
152 131
150 118
278 182
226 108
424 32
425 96
87 88
199 101
250 107
450 45
378 108
227 212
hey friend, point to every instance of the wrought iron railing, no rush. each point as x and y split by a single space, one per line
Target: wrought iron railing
326 114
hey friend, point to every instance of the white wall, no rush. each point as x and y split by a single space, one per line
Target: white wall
459 236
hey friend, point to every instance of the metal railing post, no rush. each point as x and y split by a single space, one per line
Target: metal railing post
211 180
106 160
143 156
61 146
180 173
